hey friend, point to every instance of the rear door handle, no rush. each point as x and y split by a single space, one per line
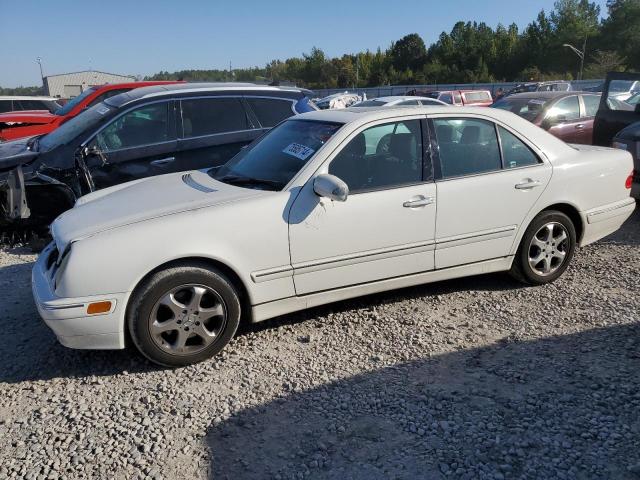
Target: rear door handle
580 126
163 161
528 184
419 201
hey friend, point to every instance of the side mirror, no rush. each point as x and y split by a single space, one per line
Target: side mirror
330 186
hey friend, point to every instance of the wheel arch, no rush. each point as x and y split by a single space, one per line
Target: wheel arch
230 273
574 215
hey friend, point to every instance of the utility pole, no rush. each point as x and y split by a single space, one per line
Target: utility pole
580 54
44 88
230 72
357 70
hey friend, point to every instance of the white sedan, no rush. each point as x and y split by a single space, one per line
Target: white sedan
399 101
327 206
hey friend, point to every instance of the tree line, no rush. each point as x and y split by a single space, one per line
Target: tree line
471 52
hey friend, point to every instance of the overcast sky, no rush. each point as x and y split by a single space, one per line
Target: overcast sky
141 37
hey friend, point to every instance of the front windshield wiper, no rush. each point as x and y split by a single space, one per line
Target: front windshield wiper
240 180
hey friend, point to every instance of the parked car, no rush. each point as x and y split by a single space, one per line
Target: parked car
555 86
144 132
478 98
16 125
313 213
21 103
567 115
339 100
399 101
617 122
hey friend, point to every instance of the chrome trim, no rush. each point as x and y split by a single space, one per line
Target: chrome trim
465 239
272 273
61 307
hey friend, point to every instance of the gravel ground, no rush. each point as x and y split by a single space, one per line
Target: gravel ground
473 378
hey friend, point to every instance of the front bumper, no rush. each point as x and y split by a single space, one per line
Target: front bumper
68 317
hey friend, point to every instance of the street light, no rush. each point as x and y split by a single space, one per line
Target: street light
579 54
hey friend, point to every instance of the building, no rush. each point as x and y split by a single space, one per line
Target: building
69 85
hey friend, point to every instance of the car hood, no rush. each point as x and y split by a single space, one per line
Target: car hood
14 153
142 200
33 117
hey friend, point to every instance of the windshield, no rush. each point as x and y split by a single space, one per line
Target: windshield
74 101
528 108
370 103
71 129
277 157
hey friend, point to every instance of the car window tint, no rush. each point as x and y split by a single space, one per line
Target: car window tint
568 107
270 112
142 126
514 152
208 116
446 98
409 102
591 104
381 157
29 105
5 106
467 146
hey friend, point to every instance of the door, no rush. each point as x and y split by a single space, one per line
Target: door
139 143
213 130
614 113
563 120
589 109
487 181
384 229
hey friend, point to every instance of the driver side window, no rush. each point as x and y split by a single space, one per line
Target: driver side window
384 156
143 126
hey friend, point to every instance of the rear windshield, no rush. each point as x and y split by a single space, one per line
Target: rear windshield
280 154
75 101
528 108
370 103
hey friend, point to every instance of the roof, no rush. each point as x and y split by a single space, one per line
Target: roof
26 97
546 95
184 88
89 71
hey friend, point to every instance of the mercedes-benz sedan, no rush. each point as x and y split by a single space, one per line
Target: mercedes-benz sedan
326 206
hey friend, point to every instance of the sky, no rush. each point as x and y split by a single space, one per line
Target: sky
142 37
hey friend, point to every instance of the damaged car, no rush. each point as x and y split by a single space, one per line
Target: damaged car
33 121
144 132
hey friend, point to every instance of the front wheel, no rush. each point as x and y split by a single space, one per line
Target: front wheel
183 315
546 249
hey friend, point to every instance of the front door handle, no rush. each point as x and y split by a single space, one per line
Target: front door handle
419 201
580 126
162 161
528 184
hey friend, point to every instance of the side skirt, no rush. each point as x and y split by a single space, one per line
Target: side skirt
264 311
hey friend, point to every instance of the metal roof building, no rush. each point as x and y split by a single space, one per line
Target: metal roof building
69 85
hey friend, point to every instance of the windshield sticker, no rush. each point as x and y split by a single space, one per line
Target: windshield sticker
299 151
102 110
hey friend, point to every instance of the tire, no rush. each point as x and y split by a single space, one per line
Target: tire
183 315
542 258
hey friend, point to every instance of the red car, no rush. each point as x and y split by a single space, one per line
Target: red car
458 98
14 125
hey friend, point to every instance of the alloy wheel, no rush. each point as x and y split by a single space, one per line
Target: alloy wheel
548 248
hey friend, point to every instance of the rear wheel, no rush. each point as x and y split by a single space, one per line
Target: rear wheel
546 249
183 315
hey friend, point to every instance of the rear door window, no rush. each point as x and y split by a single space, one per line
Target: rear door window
467 146
591 104
514 152
210 116
5 106
567 109
446 98
270 111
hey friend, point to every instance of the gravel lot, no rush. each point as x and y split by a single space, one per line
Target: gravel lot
473 378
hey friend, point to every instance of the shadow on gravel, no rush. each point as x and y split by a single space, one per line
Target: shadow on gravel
30 350
629 234
561 407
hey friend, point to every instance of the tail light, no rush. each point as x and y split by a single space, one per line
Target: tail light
629 181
